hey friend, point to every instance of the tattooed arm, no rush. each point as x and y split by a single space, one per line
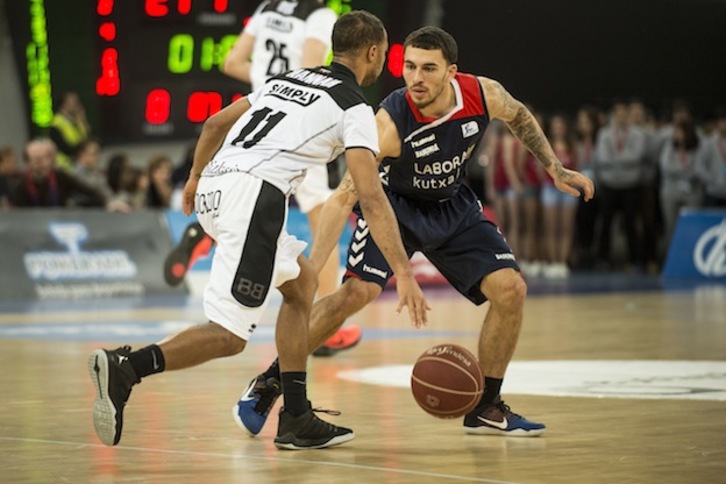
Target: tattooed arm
523 124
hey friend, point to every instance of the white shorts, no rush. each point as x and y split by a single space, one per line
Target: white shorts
254 253
314 189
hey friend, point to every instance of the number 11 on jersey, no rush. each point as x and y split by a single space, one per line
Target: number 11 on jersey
258 117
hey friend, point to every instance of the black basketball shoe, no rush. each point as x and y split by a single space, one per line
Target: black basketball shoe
193 244
112 376
307 431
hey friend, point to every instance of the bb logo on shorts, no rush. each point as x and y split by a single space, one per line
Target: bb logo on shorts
249 293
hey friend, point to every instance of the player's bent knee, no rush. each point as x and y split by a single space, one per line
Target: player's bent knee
507 290
359 293
229 343
301 290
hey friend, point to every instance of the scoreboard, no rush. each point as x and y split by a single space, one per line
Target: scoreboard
159 63
145 70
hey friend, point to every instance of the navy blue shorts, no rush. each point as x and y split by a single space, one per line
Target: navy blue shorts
454 235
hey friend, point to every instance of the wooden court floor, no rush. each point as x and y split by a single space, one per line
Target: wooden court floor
632 387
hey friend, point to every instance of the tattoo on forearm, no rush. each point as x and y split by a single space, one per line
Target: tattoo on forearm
525 127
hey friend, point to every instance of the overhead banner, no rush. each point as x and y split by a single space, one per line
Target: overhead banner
82 254
698 248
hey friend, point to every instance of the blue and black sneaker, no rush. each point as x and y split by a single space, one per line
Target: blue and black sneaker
253 407
498 419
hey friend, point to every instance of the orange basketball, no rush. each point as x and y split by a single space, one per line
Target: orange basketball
447 381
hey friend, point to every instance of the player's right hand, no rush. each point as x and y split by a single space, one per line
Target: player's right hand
411 296
190 190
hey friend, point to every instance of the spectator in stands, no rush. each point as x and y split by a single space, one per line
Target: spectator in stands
680 186
506 186
529 172
88 170
711 163
649 203
136 187
619 153
586 219
69 128
44 185
128 183
159 191
118 167
558 207
8 174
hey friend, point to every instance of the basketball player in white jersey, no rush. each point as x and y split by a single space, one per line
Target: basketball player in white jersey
249 159
282 35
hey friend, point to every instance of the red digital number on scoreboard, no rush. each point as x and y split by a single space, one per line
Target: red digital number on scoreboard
161 8
200 105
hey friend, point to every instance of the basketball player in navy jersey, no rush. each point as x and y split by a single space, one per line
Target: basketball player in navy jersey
427 132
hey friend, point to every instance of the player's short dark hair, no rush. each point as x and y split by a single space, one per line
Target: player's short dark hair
357 30
434 38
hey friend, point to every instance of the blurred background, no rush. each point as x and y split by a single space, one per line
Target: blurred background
145 74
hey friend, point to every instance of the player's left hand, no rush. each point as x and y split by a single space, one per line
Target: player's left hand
190 190
411 296
569 181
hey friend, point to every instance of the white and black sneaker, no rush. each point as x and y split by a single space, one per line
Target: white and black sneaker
112 376
307 431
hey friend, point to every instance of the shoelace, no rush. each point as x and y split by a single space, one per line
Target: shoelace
334 413
506 410
124 350
320 425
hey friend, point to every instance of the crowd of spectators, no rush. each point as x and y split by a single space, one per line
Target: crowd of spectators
645 169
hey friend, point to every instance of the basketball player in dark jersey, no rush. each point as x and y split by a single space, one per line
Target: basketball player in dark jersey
427 132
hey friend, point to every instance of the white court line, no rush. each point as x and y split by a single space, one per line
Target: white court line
246 457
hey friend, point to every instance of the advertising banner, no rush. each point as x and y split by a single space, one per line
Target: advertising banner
297 225
698 248
82 254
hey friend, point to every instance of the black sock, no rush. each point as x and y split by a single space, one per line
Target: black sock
294 390
273 371
492 387
147 361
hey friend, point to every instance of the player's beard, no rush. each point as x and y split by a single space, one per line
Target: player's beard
424 103
370 78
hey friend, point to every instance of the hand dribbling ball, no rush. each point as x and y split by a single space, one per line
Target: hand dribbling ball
446 381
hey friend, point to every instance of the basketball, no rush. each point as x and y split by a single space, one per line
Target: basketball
446 381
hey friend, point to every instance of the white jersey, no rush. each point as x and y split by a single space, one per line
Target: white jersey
298 120
280 28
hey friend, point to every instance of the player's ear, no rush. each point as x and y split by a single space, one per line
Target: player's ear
453 69
372 53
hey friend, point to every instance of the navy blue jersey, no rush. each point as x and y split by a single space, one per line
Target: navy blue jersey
435 151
